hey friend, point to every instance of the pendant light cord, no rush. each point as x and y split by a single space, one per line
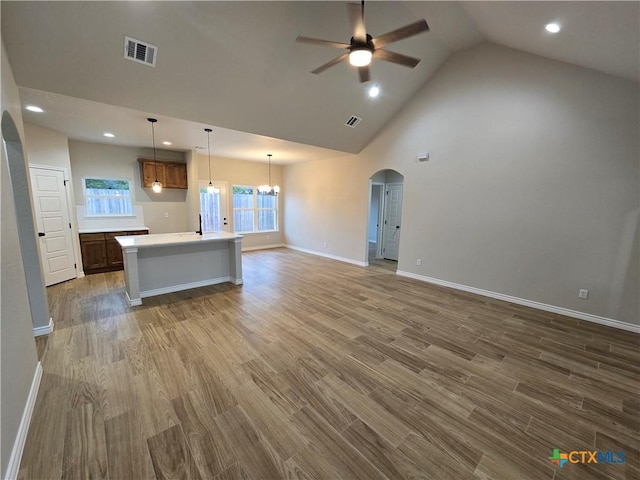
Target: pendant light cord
209 150
155 163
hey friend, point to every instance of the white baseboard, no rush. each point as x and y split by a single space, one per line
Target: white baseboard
80 275
527 303
21 436
45 330
133 303
327 255
263 247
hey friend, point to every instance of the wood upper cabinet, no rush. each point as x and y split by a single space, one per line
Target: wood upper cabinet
175 175
170 174
148 172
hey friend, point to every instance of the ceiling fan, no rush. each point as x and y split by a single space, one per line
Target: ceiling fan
363 46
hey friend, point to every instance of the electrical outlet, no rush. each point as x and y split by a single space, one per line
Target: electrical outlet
166 214
584 294
419 262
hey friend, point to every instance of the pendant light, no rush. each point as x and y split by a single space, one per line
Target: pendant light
268 189
210 187
155 186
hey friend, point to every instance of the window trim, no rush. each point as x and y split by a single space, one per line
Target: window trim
256 210
115 215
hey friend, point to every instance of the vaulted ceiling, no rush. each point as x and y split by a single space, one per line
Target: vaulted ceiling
235 66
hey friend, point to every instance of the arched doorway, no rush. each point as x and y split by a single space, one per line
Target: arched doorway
19 176
385 212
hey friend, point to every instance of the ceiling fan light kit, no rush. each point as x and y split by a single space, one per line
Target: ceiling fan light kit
360 57
363 47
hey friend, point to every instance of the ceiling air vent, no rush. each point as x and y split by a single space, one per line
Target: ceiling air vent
140 52
353 122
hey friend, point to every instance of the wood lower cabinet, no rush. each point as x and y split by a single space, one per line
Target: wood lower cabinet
169 174
101 252
114 250
94 251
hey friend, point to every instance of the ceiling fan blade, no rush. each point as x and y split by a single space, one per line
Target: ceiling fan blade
317 41
363 72
356 15
401 33
330 64
396 58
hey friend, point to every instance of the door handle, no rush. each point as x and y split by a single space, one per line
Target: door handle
41 234
397 226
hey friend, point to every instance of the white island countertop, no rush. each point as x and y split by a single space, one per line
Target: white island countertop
112 229
171 239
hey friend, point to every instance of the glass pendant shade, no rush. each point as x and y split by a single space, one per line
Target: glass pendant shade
268 189
156 187
212 189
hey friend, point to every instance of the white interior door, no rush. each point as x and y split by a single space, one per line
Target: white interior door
392 215
54 228
213 207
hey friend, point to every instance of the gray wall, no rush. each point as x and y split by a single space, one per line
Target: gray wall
102 160
532 187
18 354
182 206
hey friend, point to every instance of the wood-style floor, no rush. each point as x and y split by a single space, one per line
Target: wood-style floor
324 370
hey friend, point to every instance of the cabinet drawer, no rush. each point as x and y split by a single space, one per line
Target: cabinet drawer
91 237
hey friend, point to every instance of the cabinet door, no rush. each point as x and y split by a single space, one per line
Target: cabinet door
94 254
114 250
148 172
176 175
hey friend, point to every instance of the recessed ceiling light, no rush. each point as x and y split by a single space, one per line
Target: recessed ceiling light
552 27
166 143
108 134
33 108
374 92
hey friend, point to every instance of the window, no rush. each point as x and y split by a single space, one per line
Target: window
254 211
108 196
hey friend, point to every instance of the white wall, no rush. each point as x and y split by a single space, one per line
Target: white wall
102 160
532 187
18 353
50 148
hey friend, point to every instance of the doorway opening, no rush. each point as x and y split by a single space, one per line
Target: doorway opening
385 212
19 177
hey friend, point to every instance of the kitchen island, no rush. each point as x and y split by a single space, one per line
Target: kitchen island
164 263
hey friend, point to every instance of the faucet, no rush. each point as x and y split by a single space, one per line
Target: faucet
199 231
